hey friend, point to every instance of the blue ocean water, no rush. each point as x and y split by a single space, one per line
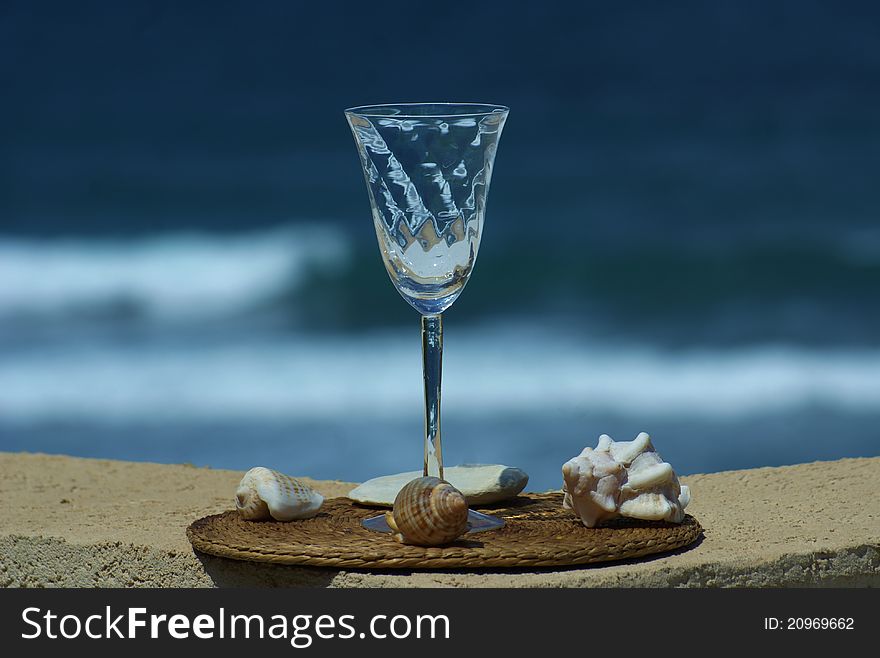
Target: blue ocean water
682 236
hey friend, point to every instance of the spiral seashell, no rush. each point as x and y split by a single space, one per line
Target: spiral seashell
428 512
264 493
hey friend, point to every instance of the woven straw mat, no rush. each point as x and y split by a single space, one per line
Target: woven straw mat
538 532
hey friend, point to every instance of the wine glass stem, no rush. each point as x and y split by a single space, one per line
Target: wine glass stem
432 363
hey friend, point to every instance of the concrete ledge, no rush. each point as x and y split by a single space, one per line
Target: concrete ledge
68 522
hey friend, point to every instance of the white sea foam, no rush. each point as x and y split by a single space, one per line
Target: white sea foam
379 376
170 278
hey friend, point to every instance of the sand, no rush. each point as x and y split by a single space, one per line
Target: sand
82 523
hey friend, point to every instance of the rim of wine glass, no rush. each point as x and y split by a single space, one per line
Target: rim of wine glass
372 110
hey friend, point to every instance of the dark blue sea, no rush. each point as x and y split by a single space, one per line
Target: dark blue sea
682 236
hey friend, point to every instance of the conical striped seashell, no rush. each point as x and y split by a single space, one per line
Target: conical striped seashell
264 493
427 512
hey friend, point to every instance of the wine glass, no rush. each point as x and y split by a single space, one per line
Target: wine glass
428 167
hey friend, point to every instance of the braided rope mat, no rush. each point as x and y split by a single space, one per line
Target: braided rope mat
538 533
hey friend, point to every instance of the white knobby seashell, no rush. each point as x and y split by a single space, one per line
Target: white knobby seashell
626 451
625 478
592 485
685 496
650 507
648 470
604 444
264 493
652 491
428 511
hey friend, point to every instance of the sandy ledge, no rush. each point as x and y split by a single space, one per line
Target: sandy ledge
69 522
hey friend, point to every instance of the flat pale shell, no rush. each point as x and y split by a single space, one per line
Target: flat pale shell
481 484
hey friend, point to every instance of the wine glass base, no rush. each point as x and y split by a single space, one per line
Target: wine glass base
477 522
